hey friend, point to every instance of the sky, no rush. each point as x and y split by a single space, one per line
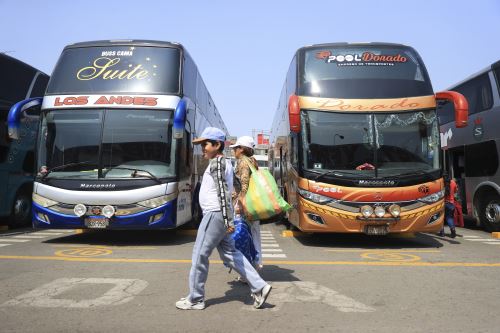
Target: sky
243 49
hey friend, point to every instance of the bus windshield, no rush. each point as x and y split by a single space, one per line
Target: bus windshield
363 72
117 69
106 143
383 144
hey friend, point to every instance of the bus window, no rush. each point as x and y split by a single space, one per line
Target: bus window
4 144
137 72
15 82
39 86
478 93
362 72
497 76
481 159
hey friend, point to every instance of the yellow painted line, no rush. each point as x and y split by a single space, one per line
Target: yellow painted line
101 259
109 247
387 251
189 232
291 233
85 231
270 262
495 234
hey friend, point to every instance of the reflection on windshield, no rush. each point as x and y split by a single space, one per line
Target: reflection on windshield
385 144
134 139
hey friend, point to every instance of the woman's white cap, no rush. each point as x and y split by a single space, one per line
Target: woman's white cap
244 141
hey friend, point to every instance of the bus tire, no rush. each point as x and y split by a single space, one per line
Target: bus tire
490 213
21 210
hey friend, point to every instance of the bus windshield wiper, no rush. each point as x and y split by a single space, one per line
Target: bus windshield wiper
340 174
409 173
135 173
59 167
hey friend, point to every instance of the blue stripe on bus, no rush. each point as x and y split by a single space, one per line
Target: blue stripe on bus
134 221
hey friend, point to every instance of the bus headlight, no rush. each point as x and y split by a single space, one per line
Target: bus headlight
395 210
366 211
433 197
42 201
108 211
379 211
80 210
314 197
156 202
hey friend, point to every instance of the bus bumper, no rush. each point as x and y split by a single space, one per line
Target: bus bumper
322 218
163 217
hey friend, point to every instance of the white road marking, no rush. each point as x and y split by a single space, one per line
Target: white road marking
1 245
12 240
272 250
492 243
471 236
48 233
484 240
123 291
273 255
30 236
311 292
269 245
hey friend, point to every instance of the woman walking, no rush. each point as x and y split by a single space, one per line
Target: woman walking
243 152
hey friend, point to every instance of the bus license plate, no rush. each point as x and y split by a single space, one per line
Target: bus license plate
97 223
376 230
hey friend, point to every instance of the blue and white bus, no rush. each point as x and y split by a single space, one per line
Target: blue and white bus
114 146
17 157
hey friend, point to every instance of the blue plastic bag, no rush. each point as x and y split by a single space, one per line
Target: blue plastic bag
243 241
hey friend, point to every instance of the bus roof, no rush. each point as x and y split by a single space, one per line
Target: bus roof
353 44
115 42
482 71
8 59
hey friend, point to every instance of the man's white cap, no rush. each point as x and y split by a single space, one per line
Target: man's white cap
244 141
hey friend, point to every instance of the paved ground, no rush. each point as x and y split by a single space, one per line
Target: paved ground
57 281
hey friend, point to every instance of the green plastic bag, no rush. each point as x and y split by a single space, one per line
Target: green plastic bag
263 199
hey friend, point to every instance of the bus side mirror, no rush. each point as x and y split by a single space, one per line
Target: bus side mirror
294 113
16 112
179 119
460 104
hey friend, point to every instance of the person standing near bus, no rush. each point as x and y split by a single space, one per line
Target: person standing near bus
450 189
217 226
243 152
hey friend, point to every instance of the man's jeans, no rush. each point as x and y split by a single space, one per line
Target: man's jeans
212 234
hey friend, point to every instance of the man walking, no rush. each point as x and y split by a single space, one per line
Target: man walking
216 227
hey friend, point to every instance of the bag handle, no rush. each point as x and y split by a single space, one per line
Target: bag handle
248 161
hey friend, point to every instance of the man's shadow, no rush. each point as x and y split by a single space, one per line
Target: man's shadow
240 291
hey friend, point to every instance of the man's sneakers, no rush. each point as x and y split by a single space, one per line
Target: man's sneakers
261 296
259 300
185 304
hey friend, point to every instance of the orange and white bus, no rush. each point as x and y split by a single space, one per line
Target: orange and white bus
357 139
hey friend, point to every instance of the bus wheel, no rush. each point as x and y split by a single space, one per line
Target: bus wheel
21 211
490 213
